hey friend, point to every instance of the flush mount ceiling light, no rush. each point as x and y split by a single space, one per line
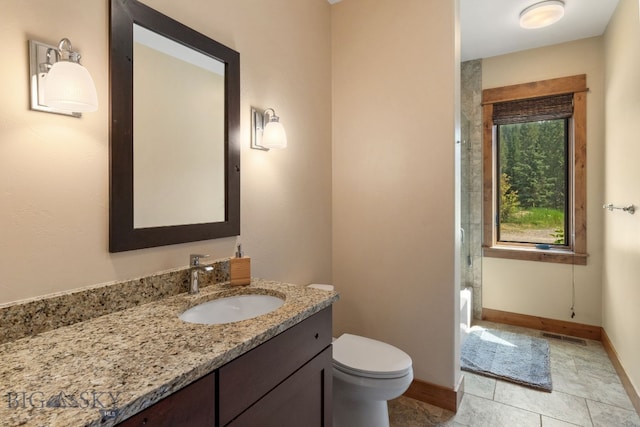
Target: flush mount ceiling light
266 130
59 83
542 14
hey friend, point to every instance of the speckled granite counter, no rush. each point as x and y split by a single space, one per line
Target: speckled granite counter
101 371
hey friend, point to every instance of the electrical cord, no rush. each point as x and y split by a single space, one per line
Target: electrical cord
573 285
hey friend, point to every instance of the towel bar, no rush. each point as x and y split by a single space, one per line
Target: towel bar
630 209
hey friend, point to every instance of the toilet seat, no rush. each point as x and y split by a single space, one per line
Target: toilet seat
365 357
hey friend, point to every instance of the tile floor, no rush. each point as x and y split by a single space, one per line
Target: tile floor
586 392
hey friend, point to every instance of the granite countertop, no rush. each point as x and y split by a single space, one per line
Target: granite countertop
102 371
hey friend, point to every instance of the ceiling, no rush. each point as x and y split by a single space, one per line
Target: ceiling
491 27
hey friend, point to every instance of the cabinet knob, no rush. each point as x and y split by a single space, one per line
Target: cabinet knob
317 335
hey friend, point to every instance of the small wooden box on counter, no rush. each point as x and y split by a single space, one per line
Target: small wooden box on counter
240 271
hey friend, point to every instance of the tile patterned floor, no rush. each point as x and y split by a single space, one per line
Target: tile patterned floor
586 392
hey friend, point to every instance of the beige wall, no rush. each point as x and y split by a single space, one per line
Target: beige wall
544 289
621 290
394 213
54 175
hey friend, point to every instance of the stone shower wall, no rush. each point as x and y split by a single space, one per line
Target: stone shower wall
471 180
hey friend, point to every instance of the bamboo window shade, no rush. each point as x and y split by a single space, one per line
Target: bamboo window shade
533 109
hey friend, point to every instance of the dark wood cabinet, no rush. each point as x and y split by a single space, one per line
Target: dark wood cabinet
303 399
243 381
194 405
286 381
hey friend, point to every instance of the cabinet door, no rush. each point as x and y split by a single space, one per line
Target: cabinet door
303 399
248 378
194 405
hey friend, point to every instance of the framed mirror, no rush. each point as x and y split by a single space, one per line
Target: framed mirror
175 124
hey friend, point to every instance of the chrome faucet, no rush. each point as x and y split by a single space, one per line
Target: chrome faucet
194 264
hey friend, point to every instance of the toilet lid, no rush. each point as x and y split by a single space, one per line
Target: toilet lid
365 357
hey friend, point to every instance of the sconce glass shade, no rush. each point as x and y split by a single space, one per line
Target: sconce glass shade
274 135
69 86
542 14
266 130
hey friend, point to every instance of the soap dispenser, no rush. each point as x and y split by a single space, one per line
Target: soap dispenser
240 268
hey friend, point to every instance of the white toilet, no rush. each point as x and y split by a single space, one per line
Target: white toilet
366 374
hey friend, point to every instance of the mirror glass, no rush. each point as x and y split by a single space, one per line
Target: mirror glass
169 176
174 152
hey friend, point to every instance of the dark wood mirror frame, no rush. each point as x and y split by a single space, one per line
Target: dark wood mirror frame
122 234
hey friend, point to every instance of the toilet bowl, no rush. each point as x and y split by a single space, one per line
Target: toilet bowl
366 374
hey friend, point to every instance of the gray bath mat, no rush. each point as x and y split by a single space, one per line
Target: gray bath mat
508 356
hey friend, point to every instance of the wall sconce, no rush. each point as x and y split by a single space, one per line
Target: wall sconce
267 134
542 14
59 84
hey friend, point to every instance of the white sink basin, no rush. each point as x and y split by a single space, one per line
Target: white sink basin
231 309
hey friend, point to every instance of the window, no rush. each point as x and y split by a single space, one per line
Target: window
534 151
532 192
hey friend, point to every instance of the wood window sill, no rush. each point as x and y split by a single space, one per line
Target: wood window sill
559 256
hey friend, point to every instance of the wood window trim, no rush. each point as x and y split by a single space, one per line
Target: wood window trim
578 225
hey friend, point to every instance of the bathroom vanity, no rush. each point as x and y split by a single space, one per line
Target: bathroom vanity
145 366
284 382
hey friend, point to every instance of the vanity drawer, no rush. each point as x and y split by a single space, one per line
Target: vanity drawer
245 380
